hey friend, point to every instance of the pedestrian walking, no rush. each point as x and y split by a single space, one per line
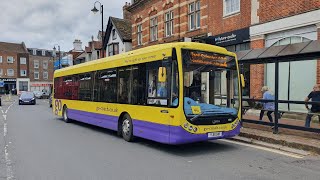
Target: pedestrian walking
314 96
267 106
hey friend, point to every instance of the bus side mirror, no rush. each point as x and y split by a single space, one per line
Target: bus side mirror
162 74
242 81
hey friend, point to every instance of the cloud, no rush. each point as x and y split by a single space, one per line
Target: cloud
43 23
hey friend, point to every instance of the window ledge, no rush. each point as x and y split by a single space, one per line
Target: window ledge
193 30
153 41
231 14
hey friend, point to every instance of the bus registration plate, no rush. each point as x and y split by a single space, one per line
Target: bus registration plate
214 134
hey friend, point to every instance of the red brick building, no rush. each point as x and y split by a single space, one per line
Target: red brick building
164 21
237 25
281 22
14 59
41 68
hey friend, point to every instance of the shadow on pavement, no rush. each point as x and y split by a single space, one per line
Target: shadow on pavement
185 150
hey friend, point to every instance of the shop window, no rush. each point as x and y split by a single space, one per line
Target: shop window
23 85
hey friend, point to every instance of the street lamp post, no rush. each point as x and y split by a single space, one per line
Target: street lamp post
95 10
54 52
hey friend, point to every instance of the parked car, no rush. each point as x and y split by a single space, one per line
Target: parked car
38 94
27 98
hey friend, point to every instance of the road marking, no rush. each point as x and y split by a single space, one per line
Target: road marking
5 117
5 130
2 111
8 164
297 156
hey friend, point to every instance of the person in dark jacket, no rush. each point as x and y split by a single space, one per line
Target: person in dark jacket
314 96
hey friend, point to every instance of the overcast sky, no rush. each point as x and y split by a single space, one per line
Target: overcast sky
43 23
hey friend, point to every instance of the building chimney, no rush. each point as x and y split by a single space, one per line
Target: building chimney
77 45
126 13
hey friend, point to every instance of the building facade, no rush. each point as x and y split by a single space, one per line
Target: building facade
284 22
164 21
41 68
14 59
118 36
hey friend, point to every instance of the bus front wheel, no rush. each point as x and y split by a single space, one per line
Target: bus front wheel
127 128
65 114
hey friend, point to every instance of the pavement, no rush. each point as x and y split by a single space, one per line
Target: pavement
286 138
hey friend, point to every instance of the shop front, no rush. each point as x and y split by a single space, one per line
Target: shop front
41 86
7 85
234 41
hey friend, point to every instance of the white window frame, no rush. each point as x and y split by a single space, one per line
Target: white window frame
139 34
194 14
10 57
43 52
0 59
45 75
154 29
43 64
8 72
114 34
34 51
23 60
36 62
231 7
22 73
168 23
1 72
34 75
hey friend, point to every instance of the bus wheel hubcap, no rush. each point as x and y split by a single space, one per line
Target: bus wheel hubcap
126 127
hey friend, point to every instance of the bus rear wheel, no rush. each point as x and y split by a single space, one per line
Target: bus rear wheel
127 128
65 115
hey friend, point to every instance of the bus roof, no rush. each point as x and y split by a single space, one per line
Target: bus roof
147 54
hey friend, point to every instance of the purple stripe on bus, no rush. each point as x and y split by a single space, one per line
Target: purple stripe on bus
109 122
173 134
152 131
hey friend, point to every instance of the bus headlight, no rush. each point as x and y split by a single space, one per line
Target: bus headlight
190 128
185 125
195 129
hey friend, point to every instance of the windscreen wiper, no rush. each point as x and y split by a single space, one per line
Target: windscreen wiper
197 116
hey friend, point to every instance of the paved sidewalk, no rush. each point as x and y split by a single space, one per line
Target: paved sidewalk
293 141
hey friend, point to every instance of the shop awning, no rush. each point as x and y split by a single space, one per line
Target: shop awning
293 52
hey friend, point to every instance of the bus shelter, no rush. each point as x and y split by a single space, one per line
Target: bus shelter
270 59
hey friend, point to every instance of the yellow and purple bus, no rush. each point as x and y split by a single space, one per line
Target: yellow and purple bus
172 93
